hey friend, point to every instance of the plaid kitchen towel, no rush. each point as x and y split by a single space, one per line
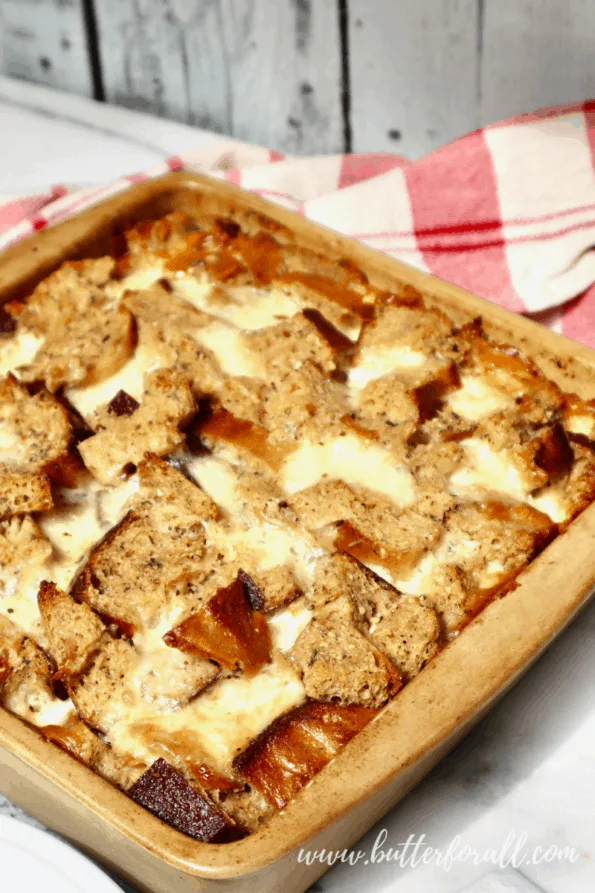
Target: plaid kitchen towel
507 212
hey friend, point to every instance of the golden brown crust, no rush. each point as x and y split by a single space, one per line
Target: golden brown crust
73 632
86 337
129 576
166 406
24 492
227 630
97 694
297 746
337 663
38 435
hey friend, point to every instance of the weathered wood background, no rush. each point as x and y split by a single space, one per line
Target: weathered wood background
311 76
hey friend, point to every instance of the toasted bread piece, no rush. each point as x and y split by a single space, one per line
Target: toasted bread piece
170 337
167 404
26 673
432 466
345 304
277 587
337 663
168 795
508 534
404 627
452 595
334 574
304 405
375 531
578 490
387 405
77 739
24 492
301 342
73 632
252 446
148 307
297 746
416 328
87 336
226 629
154 239
98 694
120 768
37 437
166 495
129 576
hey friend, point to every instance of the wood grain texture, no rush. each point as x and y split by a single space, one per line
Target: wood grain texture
261 71
536 53
45 41
414 69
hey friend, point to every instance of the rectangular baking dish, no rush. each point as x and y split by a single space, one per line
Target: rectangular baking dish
378 767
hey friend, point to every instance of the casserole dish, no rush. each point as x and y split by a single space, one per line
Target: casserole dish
431 714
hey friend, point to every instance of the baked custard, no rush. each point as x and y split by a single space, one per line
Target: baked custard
245 497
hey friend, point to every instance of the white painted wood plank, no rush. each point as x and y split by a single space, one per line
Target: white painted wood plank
414 73
267 72
536 53
44 41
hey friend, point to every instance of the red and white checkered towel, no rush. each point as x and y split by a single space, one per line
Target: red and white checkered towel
507 212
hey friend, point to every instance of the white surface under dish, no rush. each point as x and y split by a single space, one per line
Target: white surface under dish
33 860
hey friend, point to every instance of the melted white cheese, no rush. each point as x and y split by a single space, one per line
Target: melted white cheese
225 718
476 399
12 450
372 364
581 423
129 378
215 477
287 624
139 279
55 713
353 460
248 308
18 350
270 545
77 522
231 350
487 471
551 501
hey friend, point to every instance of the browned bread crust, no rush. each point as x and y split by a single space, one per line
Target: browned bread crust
86 336
337 663
38 433
166 406
73 632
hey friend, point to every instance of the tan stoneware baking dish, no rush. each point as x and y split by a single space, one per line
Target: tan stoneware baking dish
378 767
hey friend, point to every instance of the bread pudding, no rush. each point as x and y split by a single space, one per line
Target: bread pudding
246 497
